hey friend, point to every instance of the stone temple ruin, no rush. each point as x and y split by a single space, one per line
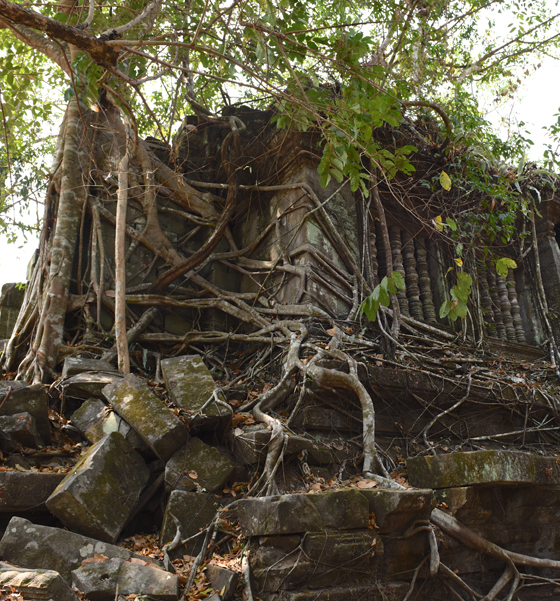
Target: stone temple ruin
466 412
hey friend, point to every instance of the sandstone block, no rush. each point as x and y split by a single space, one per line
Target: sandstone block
28 544
98 495
286 514
18 430
78 365
194 511
482 467
396 510
222 579
36 584
190 384
157 425
96 420
250 444
89 384
207 466
99 581
26 491
27 399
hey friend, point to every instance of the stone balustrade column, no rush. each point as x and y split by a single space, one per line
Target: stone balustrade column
396 249
410 268
424 281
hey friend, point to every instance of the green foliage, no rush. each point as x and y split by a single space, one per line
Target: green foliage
381 294
457 306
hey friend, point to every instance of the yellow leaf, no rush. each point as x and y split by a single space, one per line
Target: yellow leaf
438 223
445 181
459 262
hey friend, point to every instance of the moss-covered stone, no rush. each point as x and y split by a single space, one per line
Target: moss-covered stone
98 495
35 584
156 424
77 365
344 509
208 467
194 511
482 467
27 399
26 491
396 510
28 544
89 384
190 385
99 581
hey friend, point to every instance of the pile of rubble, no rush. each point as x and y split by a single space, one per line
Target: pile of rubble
107 471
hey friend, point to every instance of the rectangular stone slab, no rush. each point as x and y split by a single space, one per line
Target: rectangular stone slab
212 468
190 384
36 584
194 511
396 510
156 424
27 491
99 581
31 545
344 509
78 365
482 467
89 384
98 495
27 399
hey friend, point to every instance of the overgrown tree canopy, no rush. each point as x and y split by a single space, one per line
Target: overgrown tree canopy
122 72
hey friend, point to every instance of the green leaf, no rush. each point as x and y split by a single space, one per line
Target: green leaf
445 181
444 309
503 265
384 297
448 220
398 279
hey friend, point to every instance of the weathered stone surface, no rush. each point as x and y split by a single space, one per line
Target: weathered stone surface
89 384
18 430
99 581
96 420
286 514
250 444
324 559
100 492
36 584
190 384
10 303
212 468
78 365
158 427
482 467
194 511
396 510
27 491
391 591
223 580
27 399
31 545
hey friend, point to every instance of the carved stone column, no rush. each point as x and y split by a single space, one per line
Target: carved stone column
506 308
515 309
396 248
424 281
410 268
496 305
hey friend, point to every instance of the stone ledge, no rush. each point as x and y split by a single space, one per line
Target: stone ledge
482 467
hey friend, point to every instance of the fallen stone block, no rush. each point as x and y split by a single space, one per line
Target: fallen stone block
31 545
250 444
396 510
157 425
390 591
27 491
190 385
195 511
89 384
222 580
98 495
35 584
18 430
27 399
482 467
99 581
96 420
198 464
344 509
79 365
10 303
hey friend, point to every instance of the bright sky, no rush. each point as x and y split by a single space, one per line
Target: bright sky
537 103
